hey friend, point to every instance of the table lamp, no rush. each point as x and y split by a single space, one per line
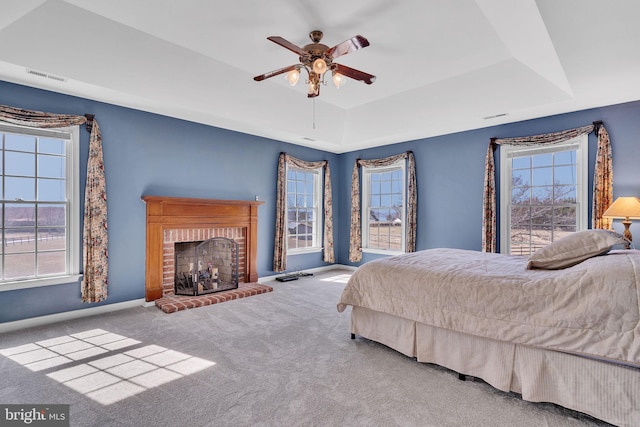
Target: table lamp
627 208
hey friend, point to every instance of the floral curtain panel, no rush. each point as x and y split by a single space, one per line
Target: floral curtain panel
602 180
280 247
355 240
602 187
95 238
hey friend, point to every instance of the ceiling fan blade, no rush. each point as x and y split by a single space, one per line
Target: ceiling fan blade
275 73
287 45
354 74
347 46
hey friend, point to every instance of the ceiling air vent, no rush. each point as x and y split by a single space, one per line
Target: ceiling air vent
495 116
45 75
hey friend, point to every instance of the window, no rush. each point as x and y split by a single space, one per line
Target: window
383 208
304 201
39 210
543 194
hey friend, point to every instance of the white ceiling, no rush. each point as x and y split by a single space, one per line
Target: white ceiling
442 66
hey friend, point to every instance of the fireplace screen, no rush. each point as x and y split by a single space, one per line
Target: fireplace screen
206 267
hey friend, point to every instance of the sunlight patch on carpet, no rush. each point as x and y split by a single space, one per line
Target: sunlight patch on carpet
116 376
340 278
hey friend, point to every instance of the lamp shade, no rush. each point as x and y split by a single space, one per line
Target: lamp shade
292 77
339 80
319 66
624 207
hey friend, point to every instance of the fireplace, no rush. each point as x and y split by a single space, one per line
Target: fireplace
172 220
205 267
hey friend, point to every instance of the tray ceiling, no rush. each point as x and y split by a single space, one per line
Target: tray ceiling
442 66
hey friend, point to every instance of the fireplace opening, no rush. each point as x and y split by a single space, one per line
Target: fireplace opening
206 266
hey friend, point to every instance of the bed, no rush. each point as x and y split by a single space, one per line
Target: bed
561 326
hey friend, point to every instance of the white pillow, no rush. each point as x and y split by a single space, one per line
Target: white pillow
574 248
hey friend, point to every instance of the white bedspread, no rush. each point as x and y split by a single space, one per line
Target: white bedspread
591 308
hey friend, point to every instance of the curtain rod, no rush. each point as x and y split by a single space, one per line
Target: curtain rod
596 126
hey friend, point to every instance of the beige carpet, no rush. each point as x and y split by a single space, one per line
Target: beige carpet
282 358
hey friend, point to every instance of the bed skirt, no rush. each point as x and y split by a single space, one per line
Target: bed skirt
602 389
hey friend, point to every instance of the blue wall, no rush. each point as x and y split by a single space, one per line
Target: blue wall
149 154
450 174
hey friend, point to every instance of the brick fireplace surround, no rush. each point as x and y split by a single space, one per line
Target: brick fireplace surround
171 220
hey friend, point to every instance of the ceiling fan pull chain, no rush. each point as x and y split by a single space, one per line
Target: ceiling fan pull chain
314 113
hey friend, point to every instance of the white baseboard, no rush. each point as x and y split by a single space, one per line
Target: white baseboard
69 315
310 270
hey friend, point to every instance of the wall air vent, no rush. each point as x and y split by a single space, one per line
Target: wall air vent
495 116
45 75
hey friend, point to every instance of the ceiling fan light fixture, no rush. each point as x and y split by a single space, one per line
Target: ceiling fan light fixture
311 89
292 77
319 66
339 80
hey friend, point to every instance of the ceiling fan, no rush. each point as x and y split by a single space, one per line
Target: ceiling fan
317 58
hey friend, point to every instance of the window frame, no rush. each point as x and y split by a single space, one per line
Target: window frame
508 152
71 135
367 172
318 222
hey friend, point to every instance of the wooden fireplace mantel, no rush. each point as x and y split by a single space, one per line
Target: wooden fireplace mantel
168 213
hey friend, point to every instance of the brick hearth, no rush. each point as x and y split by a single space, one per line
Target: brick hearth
172 303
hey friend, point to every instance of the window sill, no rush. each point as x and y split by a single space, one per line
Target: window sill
381 251
303 251
36 283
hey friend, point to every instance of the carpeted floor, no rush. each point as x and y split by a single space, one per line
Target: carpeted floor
283 358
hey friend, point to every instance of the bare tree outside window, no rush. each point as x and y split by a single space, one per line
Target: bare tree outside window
543 204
